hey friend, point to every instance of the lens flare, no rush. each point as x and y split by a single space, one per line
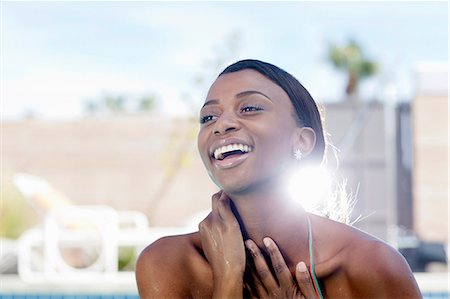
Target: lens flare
310 186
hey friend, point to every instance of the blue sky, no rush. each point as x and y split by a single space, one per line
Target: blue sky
57 55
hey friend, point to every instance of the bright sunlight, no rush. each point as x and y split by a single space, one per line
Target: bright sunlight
309 186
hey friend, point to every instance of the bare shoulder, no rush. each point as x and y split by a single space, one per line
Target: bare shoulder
369 266
376 269
168 268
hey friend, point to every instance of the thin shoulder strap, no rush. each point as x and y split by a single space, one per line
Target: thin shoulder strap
311 258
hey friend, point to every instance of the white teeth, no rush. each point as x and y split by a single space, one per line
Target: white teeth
218 153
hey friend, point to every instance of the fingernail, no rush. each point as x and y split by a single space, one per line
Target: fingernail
250 248
266 242
248 244
302 267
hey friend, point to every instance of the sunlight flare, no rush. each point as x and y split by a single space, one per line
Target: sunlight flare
310 186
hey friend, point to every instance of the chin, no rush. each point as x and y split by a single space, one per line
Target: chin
241 187
235 187
230 185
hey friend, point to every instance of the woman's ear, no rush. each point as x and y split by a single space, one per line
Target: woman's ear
304 140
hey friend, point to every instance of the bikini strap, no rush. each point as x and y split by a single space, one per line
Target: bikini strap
311 259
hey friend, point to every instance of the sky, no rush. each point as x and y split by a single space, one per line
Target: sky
56 55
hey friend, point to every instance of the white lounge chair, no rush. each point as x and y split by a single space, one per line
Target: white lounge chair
80 243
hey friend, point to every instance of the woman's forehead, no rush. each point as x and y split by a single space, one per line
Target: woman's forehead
231 84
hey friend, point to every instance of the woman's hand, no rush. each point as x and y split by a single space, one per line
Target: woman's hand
283 285
224 248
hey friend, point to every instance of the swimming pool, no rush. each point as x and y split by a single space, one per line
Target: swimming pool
433 286
436 295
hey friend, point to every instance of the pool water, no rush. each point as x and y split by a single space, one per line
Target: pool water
437 295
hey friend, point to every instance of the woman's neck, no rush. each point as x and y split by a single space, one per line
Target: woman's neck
271 213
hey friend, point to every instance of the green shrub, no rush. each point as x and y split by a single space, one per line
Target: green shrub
16 214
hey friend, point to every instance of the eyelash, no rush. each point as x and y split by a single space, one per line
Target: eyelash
204 119
250 108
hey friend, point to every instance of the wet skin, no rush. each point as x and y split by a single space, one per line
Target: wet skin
245 107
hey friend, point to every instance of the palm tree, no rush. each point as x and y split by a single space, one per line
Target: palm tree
351 59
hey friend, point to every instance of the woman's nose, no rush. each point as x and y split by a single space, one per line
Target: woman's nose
226 123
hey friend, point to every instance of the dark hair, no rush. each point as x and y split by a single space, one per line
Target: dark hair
307 112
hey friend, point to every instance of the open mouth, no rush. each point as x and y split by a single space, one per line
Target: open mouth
231 150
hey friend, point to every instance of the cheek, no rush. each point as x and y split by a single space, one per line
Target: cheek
273 148
278 150
278 136
278 147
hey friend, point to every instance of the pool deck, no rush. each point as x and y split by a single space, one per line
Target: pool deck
433 282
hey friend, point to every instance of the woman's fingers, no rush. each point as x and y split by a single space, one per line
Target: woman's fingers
221 206
226 214
262 270
278 264
261 291
222 245
250 291
304 281
215 202
265 283
224 208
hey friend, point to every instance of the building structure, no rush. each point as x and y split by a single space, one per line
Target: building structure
430 119
393 156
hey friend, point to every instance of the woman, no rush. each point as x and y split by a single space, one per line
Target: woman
257 124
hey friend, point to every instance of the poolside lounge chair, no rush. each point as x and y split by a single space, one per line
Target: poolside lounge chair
80 243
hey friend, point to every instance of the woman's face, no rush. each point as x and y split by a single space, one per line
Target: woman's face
247 131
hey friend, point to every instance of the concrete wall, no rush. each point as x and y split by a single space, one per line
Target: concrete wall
123 162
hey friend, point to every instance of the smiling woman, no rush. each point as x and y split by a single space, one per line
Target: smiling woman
258 126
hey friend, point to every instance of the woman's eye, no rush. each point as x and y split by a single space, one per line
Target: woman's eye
251 108
206 118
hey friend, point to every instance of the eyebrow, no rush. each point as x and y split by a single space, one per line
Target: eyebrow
239 95
249 92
